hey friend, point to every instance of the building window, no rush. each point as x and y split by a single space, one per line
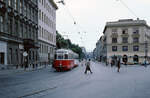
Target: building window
25 9
30 33
9 2
21 30
10 55
114 30
125 40
42 2
21 7
42 32
114 40
16 55
135 31
135 48
25 31
39 31
135 40
124 31
10 25
16 27
42 16
15 4
124 48
114 48
1 23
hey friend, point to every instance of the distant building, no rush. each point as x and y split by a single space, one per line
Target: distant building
100 50
18 32
128 40
47 30
84 51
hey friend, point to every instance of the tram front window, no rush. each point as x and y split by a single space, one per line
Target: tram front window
60 56
66 56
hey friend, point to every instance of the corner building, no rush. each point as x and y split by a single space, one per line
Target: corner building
128 40
18 32
47 30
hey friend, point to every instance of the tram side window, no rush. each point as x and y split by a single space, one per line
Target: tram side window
66 56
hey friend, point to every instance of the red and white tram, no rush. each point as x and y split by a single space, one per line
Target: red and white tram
65 60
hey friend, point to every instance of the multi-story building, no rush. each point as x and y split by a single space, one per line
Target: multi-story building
47 29
127 39
18 31
100 50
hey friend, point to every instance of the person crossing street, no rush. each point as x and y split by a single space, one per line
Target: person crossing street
88 64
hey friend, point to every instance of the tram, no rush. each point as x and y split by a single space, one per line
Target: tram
65 59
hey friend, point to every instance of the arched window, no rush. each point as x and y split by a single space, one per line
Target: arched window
135 59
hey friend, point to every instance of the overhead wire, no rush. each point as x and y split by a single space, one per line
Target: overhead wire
74 21
131 11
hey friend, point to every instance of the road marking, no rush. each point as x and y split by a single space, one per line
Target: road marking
37 92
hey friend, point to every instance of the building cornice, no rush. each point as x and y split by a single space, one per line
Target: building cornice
127 23
53 3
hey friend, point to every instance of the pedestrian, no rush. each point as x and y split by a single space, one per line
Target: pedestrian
118 65
88 64
112 63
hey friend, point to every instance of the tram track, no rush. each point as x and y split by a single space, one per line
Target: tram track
37 92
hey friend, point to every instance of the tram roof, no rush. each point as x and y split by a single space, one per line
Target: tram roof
64 50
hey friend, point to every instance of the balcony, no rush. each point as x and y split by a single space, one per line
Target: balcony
135 35
2 7
30 43
125 35
10 11
16 14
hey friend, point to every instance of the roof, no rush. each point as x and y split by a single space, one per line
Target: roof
125 23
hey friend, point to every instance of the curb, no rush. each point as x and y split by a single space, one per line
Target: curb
17 71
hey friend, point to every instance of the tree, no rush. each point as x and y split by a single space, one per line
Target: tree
67 44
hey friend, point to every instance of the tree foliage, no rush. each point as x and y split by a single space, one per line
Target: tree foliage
67 44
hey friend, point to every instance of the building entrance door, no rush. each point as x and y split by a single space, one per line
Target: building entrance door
125 59
135 59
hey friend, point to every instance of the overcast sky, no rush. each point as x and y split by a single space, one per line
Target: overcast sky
92 15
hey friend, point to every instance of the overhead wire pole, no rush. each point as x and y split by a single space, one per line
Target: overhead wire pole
131 11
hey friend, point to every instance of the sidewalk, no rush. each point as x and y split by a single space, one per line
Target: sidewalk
20 70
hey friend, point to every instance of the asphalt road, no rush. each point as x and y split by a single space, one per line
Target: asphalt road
105 82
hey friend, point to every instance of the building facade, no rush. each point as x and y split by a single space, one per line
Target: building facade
100 50
18 31
47 30
84 52
128 40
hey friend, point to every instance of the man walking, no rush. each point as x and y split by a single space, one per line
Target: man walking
88 67
118 65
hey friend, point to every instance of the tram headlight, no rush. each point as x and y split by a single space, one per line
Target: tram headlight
60 65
